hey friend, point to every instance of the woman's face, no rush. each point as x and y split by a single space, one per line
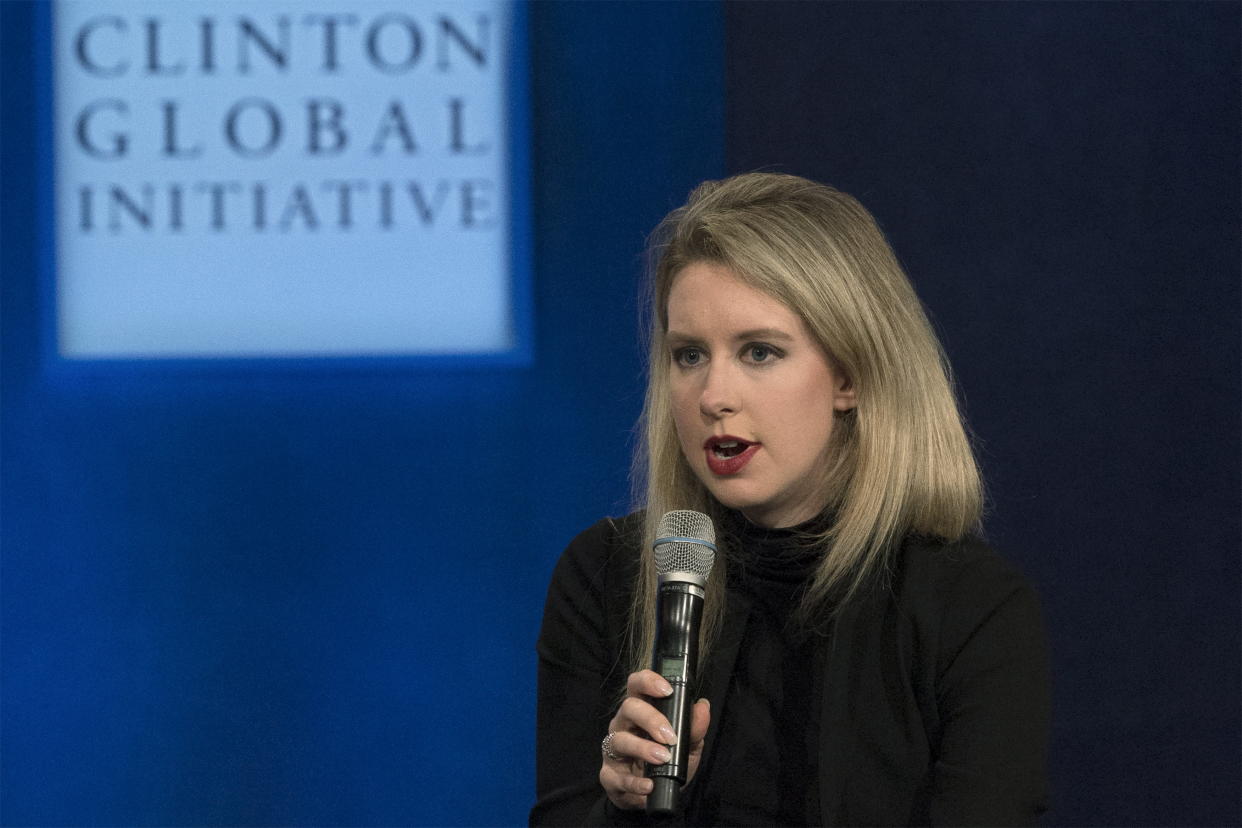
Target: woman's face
753 396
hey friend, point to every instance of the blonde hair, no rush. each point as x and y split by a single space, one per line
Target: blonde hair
902 462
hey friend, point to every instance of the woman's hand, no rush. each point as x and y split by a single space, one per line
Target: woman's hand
642 735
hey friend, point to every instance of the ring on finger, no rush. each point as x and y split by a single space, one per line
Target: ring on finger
606 747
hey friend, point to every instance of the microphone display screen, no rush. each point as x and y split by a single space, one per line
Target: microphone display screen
672 667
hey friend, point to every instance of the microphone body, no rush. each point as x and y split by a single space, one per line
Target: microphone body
685 552
679 612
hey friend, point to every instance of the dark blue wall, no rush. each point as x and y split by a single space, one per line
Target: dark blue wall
311 597
1062 182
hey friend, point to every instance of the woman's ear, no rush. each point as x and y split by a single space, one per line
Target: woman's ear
843 396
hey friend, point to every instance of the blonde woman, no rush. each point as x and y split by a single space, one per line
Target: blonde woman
865 658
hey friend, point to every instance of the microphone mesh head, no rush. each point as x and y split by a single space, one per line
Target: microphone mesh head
689 553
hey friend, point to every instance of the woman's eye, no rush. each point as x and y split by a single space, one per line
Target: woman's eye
760 353
688 357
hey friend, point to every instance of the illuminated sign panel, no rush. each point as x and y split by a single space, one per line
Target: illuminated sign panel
288 179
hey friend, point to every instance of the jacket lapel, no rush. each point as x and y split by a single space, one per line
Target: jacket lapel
720 668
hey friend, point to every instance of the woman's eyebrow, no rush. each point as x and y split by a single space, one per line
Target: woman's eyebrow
678 338
764 333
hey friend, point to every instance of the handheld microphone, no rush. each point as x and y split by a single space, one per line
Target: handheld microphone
685 550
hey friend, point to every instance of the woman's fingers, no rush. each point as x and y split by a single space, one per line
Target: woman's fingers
626 789
701 717
622 779
636 720
633 746
648 683
638 714
640 736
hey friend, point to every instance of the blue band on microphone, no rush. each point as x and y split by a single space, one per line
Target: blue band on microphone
699 541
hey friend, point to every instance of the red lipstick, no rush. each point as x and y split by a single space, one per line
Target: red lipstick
727 454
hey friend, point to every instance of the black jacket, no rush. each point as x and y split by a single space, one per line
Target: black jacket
935 704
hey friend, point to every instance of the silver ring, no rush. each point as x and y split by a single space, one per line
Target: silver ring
606 747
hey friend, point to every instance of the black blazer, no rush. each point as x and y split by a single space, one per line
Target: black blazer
935 705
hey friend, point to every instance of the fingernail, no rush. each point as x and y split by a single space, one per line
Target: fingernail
647 785
665 688
669 736
661 756
707 702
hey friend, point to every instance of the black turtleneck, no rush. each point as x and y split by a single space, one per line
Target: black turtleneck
764 767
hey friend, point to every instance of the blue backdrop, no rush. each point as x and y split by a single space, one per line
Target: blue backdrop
307 597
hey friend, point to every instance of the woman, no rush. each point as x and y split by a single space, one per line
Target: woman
866 659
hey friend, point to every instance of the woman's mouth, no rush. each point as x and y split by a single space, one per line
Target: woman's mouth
727 454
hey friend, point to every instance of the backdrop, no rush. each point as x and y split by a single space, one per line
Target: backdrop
1062 183
246 598
306 597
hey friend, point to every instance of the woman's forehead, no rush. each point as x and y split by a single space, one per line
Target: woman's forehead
707 296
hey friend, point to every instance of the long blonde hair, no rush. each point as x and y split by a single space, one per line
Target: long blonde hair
902 462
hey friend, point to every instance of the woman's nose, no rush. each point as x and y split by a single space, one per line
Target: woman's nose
720 397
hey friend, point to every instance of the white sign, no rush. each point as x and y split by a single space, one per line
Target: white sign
286 178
